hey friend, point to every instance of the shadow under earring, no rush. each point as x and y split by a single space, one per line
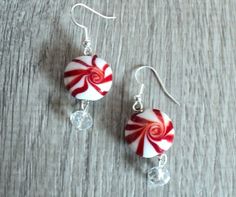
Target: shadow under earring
150 133
88 78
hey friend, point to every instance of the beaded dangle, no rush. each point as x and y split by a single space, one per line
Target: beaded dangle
88 78
150 133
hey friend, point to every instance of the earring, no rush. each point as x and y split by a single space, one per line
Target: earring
88 78
150 133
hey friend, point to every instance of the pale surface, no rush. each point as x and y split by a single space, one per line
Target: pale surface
191 43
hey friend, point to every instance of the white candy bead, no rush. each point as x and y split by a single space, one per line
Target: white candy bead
88 78
149 133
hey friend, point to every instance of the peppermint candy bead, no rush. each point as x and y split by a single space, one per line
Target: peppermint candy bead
149 133
88 78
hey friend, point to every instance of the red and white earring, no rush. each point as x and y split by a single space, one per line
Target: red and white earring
150 133
88 78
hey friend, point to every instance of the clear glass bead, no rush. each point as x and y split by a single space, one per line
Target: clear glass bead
158 176
81 120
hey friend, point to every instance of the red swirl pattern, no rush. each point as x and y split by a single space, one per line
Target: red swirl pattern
92 75
159 134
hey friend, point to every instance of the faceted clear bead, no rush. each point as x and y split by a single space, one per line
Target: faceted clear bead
81 120
158 176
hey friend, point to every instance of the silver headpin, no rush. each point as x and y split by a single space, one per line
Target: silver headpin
87 43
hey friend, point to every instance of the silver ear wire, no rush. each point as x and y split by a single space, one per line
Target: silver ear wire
158 79
138 104
87 40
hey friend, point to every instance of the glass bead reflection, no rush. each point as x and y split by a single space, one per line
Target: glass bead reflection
81 120
158 176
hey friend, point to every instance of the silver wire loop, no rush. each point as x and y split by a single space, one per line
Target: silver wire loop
162 160
87 47
138 104
158 79
86 43
82 104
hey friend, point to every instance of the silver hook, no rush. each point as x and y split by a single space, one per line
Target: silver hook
158 79
90 9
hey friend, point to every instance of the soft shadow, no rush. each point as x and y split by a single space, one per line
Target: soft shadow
55 54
